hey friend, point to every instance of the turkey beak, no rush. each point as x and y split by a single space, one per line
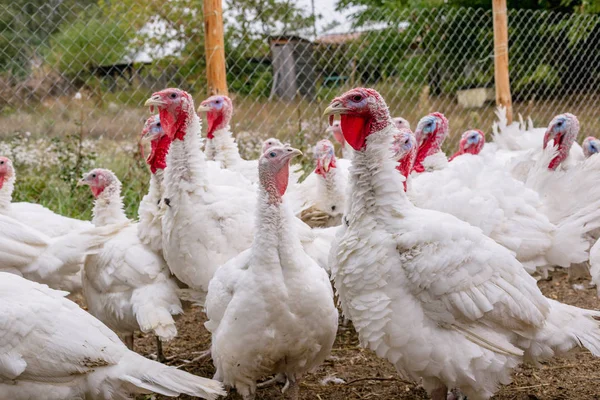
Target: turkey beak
83 181
150 135
292 152
203 108
335 108
155 101
326 160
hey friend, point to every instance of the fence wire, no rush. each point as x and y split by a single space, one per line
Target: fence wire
280 74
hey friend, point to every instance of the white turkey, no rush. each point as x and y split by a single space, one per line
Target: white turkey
482 192
471 142
591 146
320 199
55 261
31 214
520 148
565 192
445 304
431 132
270 309
127 285
206 224
53 350
41 219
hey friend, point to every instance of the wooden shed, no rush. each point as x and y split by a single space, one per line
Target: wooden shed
293 67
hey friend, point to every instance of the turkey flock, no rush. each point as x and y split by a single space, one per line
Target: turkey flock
434 260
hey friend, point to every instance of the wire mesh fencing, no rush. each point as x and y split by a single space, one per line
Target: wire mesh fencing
282 72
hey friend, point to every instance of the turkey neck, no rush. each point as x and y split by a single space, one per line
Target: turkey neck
376 187
275 240
108 207
149 210
186 163
329 185
224 147
6 192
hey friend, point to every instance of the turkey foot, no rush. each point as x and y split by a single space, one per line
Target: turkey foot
279 378
160 356
291 390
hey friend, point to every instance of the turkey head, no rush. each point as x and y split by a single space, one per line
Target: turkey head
471 142
99 180
591 146
274 170
159 143
563 131
404 150
431 132
362 112
175 106
6 170
324 157
218 111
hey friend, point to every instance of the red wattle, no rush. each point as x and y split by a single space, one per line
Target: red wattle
319 168
354 129
2 177
158 156
213 120
97 191
281 178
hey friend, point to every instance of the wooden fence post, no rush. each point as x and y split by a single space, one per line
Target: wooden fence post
214 45
501 75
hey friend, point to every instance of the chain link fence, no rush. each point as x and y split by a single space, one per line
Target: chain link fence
281 70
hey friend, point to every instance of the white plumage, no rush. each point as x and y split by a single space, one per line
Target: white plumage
206 224
474 313
519 146
127 285
29 253
482 192
271 308
53 350
41 219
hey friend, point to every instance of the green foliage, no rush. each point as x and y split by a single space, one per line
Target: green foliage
25 26
93 40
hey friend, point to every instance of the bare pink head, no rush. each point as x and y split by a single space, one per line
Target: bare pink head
99 179
336 130
430 134
270 142
404 150
401 123
563 131
175 107
274 170
591 146
362 112
324 157
6 170
219 110
471 142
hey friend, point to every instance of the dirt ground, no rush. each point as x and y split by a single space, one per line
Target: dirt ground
365 376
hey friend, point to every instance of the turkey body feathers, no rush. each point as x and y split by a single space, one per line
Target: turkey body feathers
474 312
52 349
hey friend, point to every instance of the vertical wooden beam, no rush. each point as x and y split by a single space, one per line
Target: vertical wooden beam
214 45
501 74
